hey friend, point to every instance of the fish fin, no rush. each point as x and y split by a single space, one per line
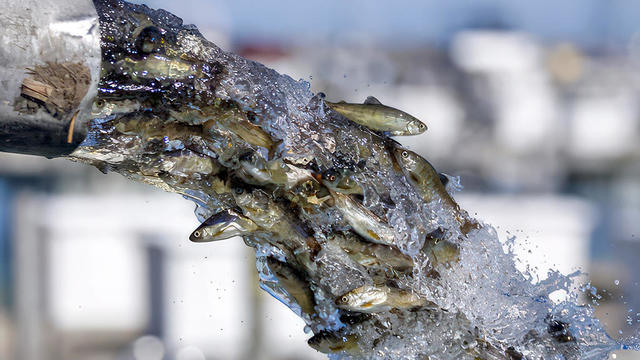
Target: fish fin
272 150
372 101
102 167
443 179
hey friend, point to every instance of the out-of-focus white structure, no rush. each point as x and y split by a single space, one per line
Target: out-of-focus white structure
108 269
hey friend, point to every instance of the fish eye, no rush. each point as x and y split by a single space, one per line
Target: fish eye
344 299
422 126
196 233
100 103
405 154
150 40
238 190
330 175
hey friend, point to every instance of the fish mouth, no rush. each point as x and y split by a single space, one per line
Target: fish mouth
416 129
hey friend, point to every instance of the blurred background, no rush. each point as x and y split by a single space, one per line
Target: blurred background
533 104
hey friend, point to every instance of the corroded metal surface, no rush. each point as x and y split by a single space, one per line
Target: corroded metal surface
49 70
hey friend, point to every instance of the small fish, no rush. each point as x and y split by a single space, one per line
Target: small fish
308 194
258 169
352 318
157 67
372 299
342 181
330 342
236 122
223 225
376 116
272 218
427 182
373 255
191 115
294 283
362 220
149 126
441 252
258 206
272 172
187 163
421 174
310 188
103 107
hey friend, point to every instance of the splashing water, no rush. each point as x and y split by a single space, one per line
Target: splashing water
480 305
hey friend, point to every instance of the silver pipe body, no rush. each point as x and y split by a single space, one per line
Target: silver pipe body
35 33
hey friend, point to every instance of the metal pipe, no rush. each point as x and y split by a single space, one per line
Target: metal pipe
49 71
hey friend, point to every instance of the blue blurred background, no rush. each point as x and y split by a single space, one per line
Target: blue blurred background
533 104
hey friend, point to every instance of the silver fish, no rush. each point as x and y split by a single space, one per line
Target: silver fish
427 182
274 172
102 108
270 216
376 116
362 220
223 225
330 342
157 67
441 252
235 121
421 174
295 285
341 180
373 255
372 299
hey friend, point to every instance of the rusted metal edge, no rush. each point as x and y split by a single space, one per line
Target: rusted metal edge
49 71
